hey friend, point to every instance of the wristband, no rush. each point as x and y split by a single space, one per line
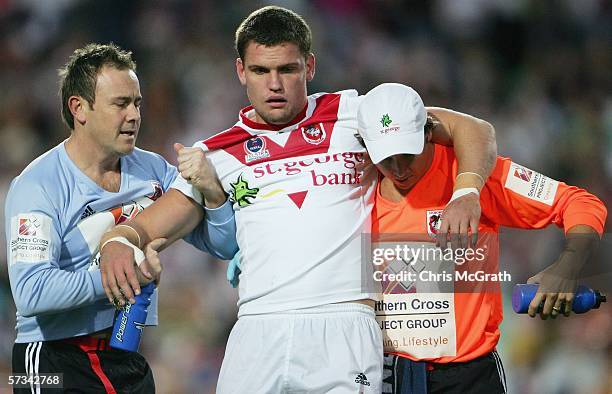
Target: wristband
133 229
139 256
462 192
472 173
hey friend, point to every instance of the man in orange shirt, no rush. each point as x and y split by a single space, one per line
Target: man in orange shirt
440 317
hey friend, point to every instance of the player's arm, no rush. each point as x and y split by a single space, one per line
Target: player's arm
199 181
33 231
170 217
518 197
217 233
473 140
175 215
558 281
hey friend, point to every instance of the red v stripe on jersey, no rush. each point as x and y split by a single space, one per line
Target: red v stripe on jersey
228 138
233 141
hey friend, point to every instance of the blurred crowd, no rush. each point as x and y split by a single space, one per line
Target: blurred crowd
539 71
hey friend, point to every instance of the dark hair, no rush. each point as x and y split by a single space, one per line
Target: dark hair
431 123
273 25
79 75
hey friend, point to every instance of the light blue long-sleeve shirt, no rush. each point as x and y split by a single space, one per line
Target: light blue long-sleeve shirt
55 217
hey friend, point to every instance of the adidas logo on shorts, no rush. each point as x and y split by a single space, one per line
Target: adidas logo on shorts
361 379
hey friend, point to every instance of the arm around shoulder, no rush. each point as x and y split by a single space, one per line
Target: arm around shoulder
474 143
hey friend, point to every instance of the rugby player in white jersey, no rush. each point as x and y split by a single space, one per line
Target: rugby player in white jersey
303 190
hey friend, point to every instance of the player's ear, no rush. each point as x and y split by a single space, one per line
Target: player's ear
77 106
310 67
240 71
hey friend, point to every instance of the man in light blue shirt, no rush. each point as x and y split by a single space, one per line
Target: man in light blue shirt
57 210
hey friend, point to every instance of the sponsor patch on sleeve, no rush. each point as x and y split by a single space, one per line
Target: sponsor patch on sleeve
531 184
30 238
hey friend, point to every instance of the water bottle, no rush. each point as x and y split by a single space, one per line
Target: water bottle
585 299
130 321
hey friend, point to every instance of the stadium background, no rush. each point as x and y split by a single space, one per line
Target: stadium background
538 70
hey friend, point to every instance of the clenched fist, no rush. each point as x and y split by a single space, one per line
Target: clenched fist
198 171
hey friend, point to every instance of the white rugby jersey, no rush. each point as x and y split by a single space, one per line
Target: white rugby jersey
302 198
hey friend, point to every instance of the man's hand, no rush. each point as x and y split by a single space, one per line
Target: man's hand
555 290
197 170
558 282
152 263
459 217
121 276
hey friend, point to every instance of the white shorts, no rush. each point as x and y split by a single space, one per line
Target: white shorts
334 348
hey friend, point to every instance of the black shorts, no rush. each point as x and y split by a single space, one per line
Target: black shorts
482 375
88 365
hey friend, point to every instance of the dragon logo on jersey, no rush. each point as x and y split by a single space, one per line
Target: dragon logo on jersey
314 134
241 192
434 219
385 120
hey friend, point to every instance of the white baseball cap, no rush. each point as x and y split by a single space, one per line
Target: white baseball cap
392 121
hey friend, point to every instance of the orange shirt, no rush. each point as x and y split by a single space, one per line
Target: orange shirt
513 196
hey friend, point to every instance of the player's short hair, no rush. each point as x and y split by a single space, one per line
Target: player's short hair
273 25
79 75
431 123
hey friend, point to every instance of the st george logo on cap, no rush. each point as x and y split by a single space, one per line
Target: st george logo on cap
391 120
